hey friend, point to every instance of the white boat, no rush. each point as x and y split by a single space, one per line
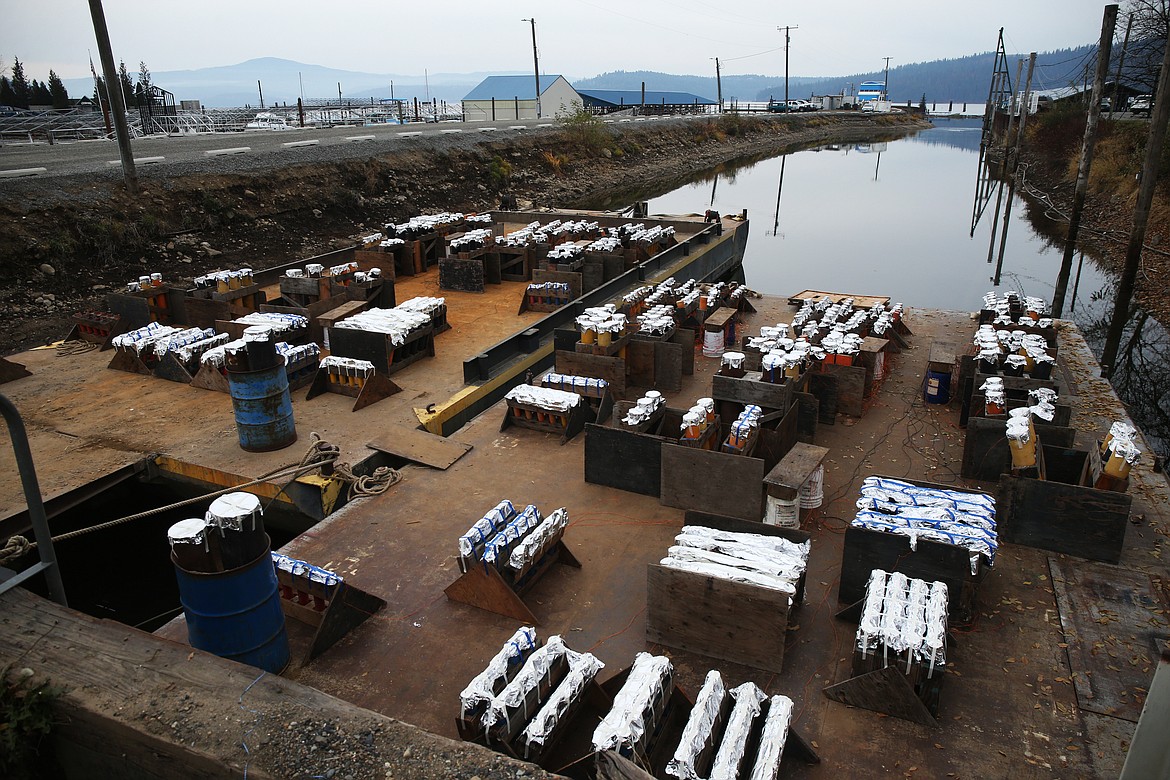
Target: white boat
267 121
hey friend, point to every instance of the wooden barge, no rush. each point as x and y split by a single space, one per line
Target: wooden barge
1046 678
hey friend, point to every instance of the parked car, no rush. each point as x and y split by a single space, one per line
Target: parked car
1142 105
778 106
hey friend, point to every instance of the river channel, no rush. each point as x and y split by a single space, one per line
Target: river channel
916 219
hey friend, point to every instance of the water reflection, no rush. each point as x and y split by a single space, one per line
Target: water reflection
1142 361
898 219
883 218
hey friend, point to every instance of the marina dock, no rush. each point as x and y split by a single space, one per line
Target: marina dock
1045 678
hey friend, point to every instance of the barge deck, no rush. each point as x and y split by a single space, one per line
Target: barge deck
1047 680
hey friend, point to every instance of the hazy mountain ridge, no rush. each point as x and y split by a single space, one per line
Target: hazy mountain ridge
963 79
959 79
282 81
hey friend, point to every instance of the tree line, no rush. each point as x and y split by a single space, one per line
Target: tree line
133 92
18 92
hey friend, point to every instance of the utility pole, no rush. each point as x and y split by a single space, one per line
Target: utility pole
261 90
1120 65
1014 165
1108 26
1141 216
339 93
718 85
114 95
535 63
1013 111
786 28
886 83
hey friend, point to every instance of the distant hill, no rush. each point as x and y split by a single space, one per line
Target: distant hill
965 79
741 87
962 79
282 80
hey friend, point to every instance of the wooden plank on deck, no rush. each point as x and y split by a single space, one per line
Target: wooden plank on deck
859 301
421 447
1111 622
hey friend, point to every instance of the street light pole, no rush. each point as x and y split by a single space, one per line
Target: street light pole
535 63
786 28
886 83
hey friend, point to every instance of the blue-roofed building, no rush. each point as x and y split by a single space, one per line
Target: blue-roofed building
606 100
514 97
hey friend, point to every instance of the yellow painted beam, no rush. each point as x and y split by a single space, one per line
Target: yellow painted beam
468 396
330 488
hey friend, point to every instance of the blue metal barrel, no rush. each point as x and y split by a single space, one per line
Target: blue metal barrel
236 614
264 415
938 387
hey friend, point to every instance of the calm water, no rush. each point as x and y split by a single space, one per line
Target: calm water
896 219
883 219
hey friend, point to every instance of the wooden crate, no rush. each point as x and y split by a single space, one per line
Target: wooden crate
1072 519
721 483
378 348
732 621
866 550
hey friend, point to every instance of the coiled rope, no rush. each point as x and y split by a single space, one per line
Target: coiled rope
320 453
75 347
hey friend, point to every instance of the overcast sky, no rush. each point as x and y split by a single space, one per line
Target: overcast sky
577 38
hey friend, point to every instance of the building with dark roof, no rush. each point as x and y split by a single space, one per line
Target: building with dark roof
514 97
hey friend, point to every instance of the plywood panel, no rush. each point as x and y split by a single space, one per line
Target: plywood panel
640 363
824 388
1080 521
685 338
985 449
750 389
623 459
611 369
421 447
713 482
668 369
850 388
733 621
867 550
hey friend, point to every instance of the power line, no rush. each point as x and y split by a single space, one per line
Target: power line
746 56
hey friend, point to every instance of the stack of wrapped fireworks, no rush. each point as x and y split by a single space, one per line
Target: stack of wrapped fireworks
953 517
717 739
767 561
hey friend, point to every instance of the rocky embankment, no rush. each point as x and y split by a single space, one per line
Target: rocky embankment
66 241
1049 170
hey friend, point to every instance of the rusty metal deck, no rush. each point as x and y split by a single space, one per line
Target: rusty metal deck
1009 707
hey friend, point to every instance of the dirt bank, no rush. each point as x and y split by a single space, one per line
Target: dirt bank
1051 156
64 242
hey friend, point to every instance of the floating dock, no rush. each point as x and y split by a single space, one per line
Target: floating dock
1046 677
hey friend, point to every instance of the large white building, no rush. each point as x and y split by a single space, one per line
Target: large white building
514 97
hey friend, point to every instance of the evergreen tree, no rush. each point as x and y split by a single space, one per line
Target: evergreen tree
19 84
7 96
144 81
57 91
127 84
39 94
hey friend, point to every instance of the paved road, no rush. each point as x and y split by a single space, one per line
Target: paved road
82 157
